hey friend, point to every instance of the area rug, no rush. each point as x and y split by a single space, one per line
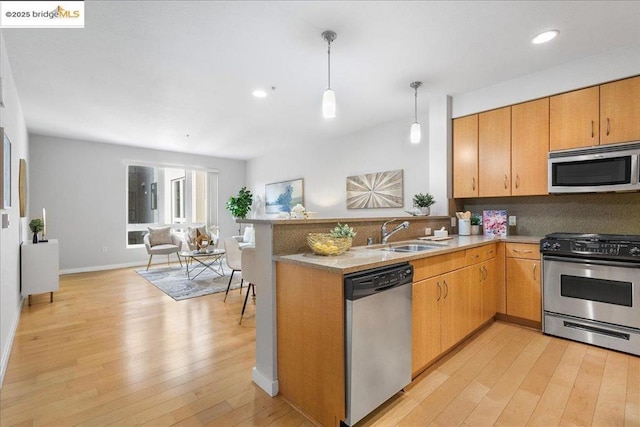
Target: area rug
173 281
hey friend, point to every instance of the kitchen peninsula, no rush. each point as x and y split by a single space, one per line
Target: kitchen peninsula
301 342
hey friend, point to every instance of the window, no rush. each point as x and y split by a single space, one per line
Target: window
161 195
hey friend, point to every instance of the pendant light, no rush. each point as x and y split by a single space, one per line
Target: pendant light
329 97
416 133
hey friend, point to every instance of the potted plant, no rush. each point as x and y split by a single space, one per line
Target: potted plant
475 224
423 202
240 205
36 225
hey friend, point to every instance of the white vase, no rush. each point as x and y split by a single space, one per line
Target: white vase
425 210
475 229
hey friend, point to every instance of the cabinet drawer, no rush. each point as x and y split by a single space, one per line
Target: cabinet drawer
432 266
523 250
481 254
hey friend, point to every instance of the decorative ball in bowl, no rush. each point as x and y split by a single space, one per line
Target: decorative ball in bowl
327 244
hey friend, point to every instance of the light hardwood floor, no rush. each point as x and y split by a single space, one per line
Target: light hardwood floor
114 350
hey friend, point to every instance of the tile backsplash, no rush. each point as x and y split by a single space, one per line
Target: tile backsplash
614 213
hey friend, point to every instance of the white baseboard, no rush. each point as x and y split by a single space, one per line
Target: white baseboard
4 361
103 267
268 385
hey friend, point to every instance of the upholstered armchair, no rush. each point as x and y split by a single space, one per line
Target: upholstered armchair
161 241
248 238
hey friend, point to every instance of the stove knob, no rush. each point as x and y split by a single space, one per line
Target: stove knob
545 246
556 246
635 251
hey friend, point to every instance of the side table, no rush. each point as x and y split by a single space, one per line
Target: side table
39 264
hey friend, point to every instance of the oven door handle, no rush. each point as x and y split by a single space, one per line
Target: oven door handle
591 261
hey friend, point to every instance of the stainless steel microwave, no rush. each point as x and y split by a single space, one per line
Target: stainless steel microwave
606 168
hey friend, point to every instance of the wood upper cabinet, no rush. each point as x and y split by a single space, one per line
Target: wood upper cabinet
465 156
494 152
574 119
529 148
620 111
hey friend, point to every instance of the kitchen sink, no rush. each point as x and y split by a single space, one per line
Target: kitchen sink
411 248
408 246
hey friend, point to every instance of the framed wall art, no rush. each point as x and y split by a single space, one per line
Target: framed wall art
5 185
375 190
282 196
22 187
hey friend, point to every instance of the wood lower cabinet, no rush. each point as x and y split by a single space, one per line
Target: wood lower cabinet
425 332
310 338
448 306
487 273
523 280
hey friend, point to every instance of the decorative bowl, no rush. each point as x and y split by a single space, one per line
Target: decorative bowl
326 244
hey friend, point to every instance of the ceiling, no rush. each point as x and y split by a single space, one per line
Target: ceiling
149 73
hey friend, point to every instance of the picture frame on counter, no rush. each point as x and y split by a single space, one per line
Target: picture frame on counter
495 223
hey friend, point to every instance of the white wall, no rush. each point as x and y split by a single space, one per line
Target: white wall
12 120
82 185
593 70
325 168
427 167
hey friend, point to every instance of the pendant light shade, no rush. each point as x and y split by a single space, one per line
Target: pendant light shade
329 104
329 98
416 132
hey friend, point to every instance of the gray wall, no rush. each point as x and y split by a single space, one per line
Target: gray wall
83 187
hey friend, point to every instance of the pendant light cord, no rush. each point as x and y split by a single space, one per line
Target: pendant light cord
416 104
329 65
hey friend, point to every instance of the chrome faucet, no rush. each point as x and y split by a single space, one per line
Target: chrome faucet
383 231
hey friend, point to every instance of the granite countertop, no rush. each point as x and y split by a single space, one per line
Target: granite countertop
365 257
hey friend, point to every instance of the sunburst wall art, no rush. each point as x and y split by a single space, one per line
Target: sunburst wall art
375 190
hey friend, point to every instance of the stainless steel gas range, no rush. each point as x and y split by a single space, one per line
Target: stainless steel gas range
591 289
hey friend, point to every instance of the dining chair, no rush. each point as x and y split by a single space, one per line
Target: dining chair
249 271
234 261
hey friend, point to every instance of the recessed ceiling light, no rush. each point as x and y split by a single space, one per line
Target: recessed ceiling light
545 37
259 93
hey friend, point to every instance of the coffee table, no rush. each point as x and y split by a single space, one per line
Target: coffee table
205 260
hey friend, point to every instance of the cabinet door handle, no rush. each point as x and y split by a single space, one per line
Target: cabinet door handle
608 127
473 184
490 252
475 256
517 181
523 251
505 181
481 274
446 289
439 291
592 130
486 273
534 271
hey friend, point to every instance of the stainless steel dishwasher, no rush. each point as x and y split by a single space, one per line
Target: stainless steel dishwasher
378 337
